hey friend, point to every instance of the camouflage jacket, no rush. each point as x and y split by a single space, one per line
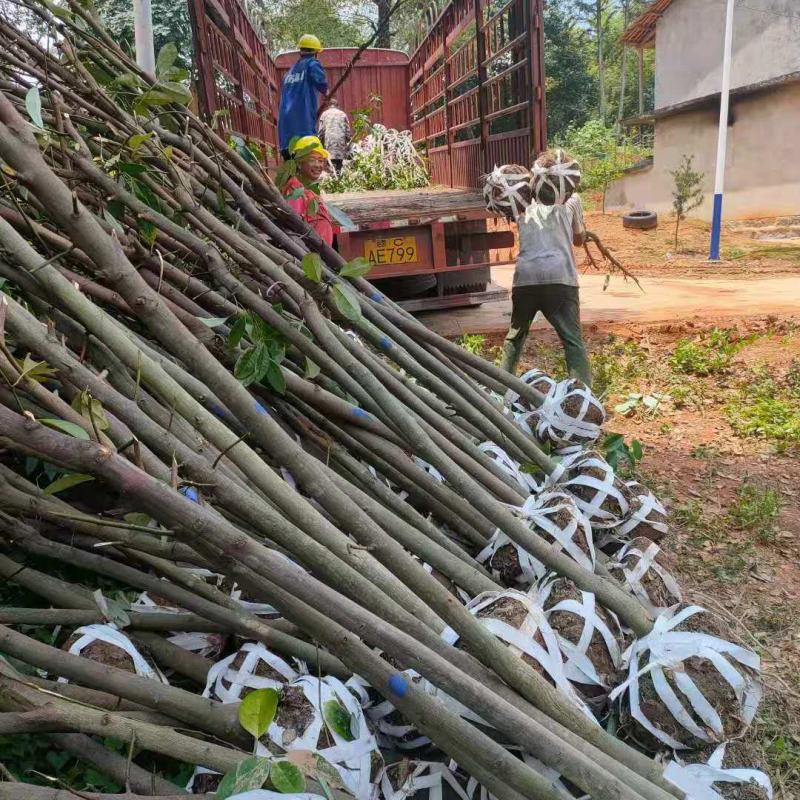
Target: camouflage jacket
335 133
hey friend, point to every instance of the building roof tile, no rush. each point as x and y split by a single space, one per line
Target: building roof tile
642 31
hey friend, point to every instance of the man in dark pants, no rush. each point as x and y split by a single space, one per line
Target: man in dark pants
546 276
297 114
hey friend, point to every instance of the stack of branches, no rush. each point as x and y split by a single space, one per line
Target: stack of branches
384 159
267 511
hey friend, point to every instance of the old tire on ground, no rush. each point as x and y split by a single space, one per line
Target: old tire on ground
640 220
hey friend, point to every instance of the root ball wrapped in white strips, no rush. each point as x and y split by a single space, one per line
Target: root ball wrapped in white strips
312 715
714 781
420 780
590 637
520 622
511 467
600 495
647 517
391 728
536 379
555 176
557 519
687 686
570 415
507 190
644 568
252 667
106 644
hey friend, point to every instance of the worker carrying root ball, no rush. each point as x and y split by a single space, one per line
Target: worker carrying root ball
550 218
297 114
301 187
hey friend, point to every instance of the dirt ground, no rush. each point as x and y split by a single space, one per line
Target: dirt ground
721 448
654 253
756 278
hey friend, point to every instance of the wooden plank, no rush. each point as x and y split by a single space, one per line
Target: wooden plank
407 204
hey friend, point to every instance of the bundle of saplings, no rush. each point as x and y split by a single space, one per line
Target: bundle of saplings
227 459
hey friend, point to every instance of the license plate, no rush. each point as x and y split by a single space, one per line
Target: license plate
391 250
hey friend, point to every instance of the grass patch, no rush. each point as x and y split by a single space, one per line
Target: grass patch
768 408
692 518
709 356
473 343
617 366
773 733
756 509
789 252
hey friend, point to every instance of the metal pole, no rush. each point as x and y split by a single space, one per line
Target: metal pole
143 30
722 144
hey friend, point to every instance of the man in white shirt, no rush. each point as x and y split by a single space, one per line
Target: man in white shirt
546 275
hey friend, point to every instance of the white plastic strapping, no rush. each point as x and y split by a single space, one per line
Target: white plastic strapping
89 634
510 466
226 682
390 733
562 177
698 780
562 428
430 776
522 641
665 650
603 499
648 513
507 191
351 759
578 666
540 512
638 559
538 380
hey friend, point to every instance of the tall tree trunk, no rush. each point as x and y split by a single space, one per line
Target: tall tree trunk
601 62
623 79
384 38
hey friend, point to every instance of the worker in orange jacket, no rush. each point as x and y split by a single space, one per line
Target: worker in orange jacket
302 191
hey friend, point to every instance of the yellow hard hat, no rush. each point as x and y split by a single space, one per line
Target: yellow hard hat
309 42
308 146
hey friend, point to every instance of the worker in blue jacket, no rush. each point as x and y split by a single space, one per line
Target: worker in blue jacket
297 115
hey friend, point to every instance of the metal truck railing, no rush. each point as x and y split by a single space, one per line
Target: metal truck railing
472 93
235 73
477 88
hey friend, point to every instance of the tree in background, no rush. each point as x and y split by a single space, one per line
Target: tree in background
571 85
597 15
336 23
170 24
603 153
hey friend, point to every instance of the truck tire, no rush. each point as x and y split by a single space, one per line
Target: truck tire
406 287
640 220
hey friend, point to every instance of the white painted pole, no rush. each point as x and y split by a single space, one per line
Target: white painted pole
143 30
722 144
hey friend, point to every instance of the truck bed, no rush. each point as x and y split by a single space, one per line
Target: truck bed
429 203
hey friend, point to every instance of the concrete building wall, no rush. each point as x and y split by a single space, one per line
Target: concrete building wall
689 44
763 167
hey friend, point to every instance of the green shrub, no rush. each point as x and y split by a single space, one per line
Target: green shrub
602 153
767 408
